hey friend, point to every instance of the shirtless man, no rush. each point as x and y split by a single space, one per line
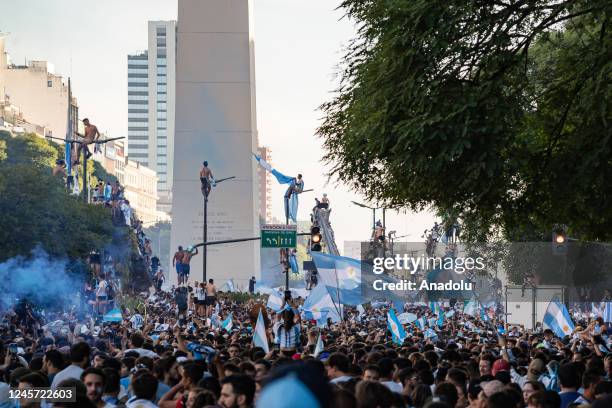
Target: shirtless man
296 186
379 232
187 255
91 135
207 179
60 168
178 262
211 297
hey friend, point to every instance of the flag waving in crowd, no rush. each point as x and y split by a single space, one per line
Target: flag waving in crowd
557 319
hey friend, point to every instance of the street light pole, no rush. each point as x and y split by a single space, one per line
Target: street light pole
84 149
205 225
373 215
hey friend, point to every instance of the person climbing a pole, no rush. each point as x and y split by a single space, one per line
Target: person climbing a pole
207 179
91 135
296 186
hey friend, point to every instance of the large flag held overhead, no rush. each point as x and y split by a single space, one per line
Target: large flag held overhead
291 204
260 339
319 302
113 316
227 324
395 327
275 300
557 319
335 270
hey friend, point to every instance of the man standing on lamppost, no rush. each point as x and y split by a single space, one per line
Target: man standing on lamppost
207 179
91 135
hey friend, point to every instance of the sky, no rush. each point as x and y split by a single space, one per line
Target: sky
298 45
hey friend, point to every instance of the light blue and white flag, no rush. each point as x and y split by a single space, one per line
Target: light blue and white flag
319 347
229 285
319 301
260 339
607 312
471 308
440 321
137 321
557 319
281 178
275 300
227 324
421 322
407 318
360 310
338 271
430 334
435 308
395 327
596 309
113 316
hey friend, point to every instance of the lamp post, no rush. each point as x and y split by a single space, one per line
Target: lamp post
205 193
373 214
84 149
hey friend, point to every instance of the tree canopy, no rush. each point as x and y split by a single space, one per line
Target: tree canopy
494 112
36 208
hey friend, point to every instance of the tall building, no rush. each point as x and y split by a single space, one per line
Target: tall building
265 186
216 121
151 106
41 95
139 182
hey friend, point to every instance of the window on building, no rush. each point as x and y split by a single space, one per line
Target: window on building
49 83
162 70
161 88
161 106
161 114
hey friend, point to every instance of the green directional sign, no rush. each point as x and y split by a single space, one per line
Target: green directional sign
278 236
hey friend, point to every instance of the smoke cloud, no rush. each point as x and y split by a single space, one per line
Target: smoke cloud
41 279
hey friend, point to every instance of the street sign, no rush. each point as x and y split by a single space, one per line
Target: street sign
278 236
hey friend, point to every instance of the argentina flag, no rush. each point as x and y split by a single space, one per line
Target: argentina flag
260 339
395 327
227 324
557 319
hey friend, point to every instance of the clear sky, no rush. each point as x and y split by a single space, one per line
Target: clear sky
298 44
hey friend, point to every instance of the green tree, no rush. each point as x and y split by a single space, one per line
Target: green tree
496 112
36 208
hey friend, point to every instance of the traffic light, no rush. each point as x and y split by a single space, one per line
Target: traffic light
315 239
559 240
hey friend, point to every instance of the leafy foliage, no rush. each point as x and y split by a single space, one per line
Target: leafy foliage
493 112
37 210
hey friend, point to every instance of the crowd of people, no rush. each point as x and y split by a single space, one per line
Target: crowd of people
170 353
